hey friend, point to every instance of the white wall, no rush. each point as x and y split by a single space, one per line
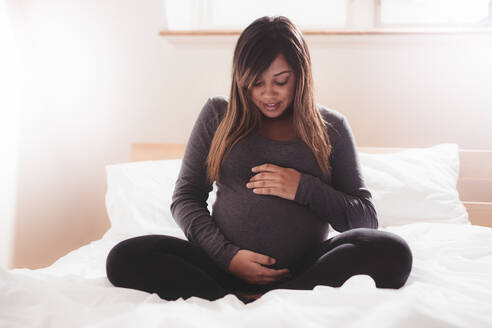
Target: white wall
98 77
10 84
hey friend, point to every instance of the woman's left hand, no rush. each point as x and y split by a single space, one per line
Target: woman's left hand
275 180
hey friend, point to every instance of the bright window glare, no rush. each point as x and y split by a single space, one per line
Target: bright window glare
433 11
179 14
234 13
321 14
213 14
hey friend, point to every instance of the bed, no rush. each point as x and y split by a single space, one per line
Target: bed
439 199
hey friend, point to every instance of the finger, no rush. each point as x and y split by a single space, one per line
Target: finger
274 273
263 184
266 191
266 167
263 259
264 176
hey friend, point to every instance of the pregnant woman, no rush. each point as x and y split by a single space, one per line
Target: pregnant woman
286 168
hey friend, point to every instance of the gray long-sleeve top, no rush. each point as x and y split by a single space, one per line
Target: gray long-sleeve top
283 229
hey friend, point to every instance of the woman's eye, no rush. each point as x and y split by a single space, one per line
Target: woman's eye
257 84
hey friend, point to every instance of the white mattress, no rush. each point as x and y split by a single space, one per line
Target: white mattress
450 286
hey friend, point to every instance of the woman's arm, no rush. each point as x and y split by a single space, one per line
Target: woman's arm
347 204
189 200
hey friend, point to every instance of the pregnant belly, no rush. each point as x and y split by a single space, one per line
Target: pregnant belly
269 225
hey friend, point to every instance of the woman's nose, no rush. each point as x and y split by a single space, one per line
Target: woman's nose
269 90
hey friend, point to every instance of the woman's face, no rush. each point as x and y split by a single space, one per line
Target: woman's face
273 91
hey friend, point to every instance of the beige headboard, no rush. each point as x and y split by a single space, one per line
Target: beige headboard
474 182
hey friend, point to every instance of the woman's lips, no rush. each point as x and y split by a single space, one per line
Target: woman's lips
270 107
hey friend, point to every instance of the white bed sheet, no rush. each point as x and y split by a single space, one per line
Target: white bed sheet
450 286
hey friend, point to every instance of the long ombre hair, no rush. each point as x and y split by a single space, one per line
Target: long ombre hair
258 45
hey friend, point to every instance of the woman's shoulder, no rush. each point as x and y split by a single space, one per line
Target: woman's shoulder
219 100
330 115
337 122
213 110
219 103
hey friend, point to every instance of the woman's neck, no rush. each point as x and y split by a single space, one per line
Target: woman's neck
285 119
280 128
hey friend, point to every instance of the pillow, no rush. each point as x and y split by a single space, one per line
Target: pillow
412 185
415 185
139 196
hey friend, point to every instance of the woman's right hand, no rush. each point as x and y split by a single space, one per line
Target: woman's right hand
247 265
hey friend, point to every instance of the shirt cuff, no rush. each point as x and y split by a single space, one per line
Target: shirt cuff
225 258
302 192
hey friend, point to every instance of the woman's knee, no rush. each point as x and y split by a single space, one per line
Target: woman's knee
392 251
358 236
119 259
383 240
400 251
123 259
398 259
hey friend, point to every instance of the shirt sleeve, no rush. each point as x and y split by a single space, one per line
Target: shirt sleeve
189 200
347 203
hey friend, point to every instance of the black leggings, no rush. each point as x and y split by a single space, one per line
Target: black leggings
174 267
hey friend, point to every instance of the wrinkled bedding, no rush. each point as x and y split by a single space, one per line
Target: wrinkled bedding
450 286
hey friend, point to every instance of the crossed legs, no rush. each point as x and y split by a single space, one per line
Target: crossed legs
174 268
